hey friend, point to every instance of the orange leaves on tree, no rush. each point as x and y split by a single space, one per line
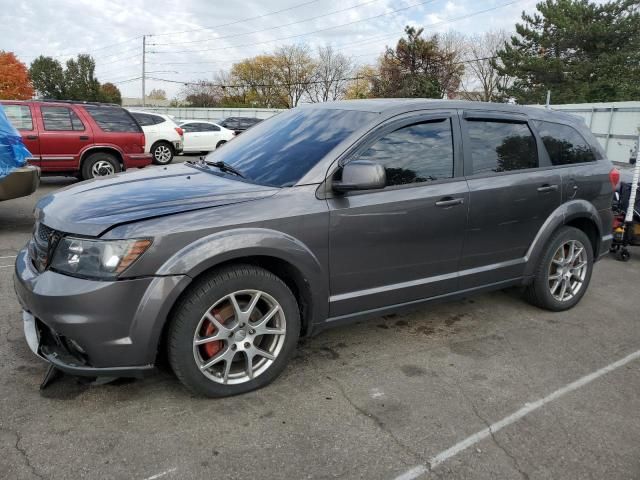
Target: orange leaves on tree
15 83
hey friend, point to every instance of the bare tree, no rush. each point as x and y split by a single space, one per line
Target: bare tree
330 77
295 68
482 80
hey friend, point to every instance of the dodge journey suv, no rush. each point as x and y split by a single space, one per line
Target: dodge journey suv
321 215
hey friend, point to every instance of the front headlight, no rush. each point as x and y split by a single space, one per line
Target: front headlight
101 259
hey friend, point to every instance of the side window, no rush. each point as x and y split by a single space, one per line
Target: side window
60 119
207 127
564 144
19 116
501 146
416 153
113 119
188 127
155 119
142 118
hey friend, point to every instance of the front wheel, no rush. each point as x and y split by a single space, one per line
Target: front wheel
234 331
564 273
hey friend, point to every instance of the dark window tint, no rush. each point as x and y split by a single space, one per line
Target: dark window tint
189 127
501 146
19 116
207 127
564 144
280 150
143 119
60 119
417 153
112 119
156 119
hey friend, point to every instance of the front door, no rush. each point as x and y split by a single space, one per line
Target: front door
21 117
511 195
402 243
63 135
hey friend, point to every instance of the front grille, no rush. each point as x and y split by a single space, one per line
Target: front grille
42 244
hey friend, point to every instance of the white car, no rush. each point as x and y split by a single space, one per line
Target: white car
203 136
163 136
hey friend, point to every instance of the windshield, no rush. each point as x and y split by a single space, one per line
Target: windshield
280 150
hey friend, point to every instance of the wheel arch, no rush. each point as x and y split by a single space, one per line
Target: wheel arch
579 214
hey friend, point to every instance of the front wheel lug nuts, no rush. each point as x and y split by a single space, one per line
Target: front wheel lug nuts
247 345
234 346
252 331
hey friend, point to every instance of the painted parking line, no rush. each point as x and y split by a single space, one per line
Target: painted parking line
8 256
443 456
6 266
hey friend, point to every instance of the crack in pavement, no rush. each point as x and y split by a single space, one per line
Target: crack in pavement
23 452
376 420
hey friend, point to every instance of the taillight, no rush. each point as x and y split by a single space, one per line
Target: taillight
180 131
614 177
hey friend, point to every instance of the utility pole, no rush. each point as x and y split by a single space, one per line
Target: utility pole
144 54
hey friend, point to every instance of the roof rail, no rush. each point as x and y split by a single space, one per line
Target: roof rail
77 102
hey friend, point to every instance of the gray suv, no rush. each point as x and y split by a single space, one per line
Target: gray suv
321 215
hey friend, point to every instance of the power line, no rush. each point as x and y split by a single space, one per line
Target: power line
393 12
86 51
271 28
236 21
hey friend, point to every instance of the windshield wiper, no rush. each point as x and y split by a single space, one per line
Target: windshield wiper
225 167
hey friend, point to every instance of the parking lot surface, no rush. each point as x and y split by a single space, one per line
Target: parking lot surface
382 399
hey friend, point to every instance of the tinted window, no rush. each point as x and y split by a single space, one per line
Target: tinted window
60 119
417 153
564 144
207 127
280 150
156 119
112 119
189 127
19 116
143 119
501 146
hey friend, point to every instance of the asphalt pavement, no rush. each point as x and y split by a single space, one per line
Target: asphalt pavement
484 388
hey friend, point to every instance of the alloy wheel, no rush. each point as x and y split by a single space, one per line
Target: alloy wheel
239 337
102 168
162 154
568 270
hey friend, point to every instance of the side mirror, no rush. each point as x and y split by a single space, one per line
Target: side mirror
361 175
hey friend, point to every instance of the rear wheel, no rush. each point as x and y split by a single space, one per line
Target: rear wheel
162 153
100 164
233 332
564 272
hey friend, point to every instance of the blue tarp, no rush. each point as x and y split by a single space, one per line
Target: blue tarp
13 153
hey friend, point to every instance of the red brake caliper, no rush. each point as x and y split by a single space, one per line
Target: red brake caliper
208 350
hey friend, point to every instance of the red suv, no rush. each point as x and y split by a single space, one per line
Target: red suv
84 139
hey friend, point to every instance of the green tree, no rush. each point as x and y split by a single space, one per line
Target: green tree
47 76
417 67
581 51
80 80
109 93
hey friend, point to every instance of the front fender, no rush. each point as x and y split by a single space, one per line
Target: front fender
236 244
562 215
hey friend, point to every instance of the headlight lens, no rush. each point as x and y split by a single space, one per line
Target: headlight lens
102 259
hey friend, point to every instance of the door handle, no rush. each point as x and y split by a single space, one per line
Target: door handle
449 202
84 137
548 188
32 137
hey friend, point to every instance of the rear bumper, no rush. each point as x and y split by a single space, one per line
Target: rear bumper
88 327
20 182
178 147
137 160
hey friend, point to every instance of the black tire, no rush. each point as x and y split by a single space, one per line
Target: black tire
99 164
163 153
199 299
220 143
539 292
623 255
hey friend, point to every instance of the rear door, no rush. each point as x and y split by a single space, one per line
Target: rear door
402 243
512 189
21 117
63 135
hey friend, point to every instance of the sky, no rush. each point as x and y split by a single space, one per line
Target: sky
189 40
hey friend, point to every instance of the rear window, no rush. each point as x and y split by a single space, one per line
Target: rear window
564 144
280 150
501 146
19 116
60 119
113 119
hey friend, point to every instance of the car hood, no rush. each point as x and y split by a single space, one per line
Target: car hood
91 207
